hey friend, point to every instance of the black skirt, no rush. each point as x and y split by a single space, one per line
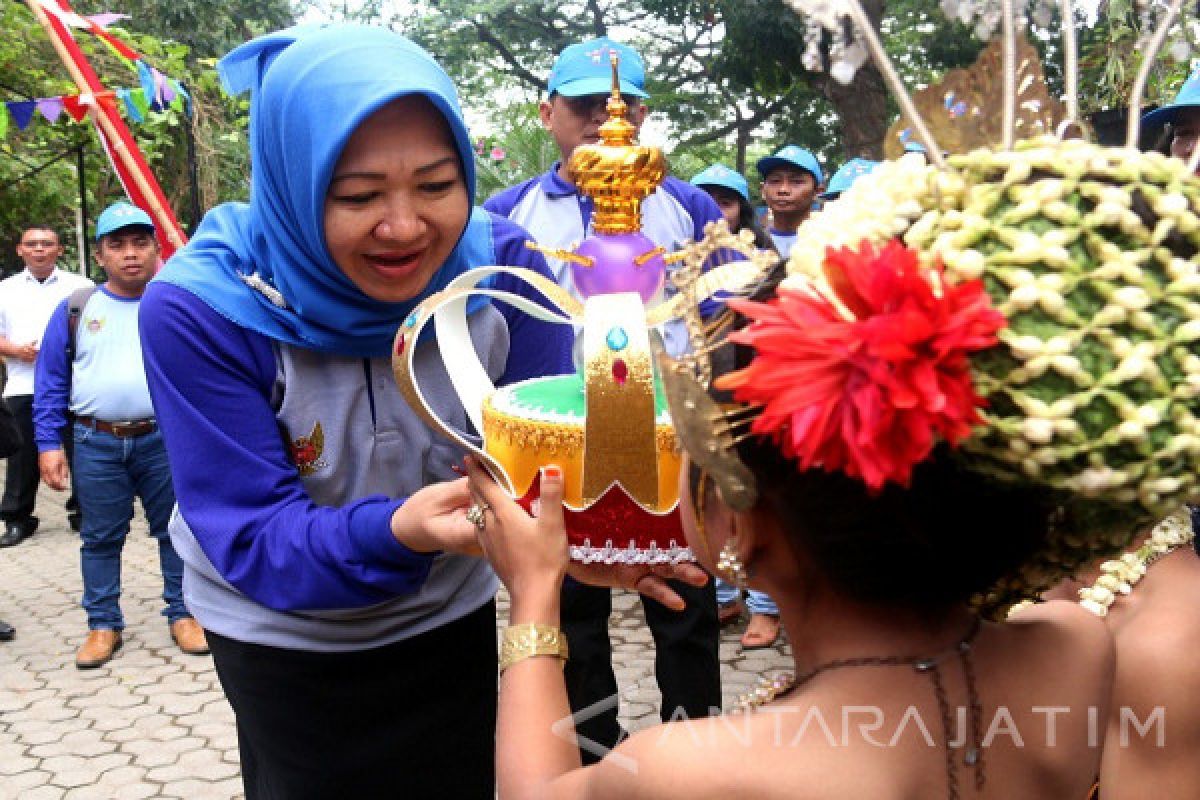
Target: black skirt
415 719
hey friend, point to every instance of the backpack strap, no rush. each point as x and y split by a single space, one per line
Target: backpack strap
75 303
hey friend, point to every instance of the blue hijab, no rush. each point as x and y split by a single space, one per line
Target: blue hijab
311 87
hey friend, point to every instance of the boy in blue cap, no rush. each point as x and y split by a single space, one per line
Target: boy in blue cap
1183 118
90 381
791 180
554 212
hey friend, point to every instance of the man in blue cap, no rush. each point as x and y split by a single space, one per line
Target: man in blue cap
847 174
90 377
1182 117
552 209
549 206
791 180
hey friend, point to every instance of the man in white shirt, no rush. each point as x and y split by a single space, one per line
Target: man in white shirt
26 301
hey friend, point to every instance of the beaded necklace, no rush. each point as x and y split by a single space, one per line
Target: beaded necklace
1118 577
773 688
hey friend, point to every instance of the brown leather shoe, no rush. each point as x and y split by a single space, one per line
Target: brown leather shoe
188 634
98 648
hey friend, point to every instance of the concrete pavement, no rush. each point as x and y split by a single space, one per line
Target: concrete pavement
154 722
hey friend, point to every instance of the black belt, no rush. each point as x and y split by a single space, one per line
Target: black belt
126 429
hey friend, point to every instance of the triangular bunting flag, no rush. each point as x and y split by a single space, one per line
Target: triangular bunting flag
187 98
159 99
131 108
75 106
51 108
146 79
22 112
106 19
139 100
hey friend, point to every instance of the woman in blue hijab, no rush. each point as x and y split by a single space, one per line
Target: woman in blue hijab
326 550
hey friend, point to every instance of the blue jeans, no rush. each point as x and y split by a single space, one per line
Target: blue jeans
109 473
756 602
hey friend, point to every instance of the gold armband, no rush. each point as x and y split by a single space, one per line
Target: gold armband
520 642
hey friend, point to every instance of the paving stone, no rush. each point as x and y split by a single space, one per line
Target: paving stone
43 793
15 765
16 785
80 742
153 753
14 700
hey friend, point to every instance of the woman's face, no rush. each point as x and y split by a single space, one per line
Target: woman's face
397 203
729 202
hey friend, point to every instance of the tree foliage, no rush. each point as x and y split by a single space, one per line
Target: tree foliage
196 31
208 28
726 76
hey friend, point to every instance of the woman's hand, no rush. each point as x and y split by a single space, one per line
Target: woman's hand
529 554
435 518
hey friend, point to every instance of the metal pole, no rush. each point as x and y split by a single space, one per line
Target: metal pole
84 249
193 173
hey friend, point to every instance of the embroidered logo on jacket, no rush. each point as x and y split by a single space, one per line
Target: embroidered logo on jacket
307 450
95 324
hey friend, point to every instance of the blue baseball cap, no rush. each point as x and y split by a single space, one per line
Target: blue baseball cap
586 68
721 175
1188 97
121 215
791 156
846 175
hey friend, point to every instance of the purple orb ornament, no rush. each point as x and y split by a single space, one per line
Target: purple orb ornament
614 268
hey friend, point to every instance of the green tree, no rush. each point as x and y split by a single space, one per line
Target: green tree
31 69
208 28
727 77
1111 53
500 52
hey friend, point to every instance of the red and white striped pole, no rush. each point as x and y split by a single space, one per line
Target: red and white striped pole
135 175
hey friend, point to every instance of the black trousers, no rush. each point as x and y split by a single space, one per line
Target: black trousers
415 719
21 472
22 476
686 663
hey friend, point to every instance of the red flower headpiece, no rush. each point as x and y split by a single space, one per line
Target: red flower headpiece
865 391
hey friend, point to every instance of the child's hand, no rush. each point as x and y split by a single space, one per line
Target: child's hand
529 555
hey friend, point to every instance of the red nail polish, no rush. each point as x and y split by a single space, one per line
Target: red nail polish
552 471
458 470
